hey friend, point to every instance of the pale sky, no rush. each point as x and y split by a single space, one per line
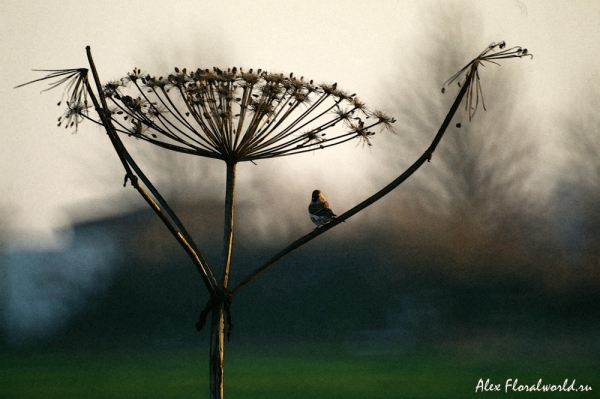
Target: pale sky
45 171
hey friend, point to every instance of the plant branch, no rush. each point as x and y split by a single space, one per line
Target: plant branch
172 222
369 201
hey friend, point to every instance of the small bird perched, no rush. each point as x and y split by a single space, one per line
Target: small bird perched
319 210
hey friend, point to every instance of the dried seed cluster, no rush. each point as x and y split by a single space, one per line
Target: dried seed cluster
238 115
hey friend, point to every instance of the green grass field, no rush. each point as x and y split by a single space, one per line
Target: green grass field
286 371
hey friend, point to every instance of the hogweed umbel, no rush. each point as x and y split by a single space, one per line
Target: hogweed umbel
232 114
76 90
471 72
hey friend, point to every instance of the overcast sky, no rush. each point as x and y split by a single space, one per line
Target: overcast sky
45 171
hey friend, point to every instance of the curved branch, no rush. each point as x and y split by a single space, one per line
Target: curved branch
369 201
168 216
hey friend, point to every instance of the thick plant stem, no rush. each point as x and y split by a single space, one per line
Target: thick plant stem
217 331
217 352
229 221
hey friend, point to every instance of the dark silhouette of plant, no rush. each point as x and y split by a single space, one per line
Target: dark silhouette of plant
238 116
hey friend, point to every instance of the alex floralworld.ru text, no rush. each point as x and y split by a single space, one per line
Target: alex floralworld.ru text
514 386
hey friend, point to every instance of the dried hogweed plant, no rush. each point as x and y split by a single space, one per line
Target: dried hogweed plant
237 116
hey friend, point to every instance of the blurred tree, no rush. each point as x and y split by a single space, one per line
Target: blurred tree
475 212
577 198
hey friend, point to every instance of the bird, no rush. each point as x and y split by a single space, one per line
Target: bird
319 210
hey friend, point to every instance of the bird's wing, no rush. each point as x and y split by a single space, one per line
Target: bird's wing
322 211
314 208
326 212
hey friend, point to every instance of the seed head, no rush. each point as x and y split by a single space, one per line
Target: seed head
470 72
227 113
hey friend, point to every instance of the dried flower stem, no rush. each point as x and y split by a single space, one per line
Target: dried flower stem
229 221
273 116
163 210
